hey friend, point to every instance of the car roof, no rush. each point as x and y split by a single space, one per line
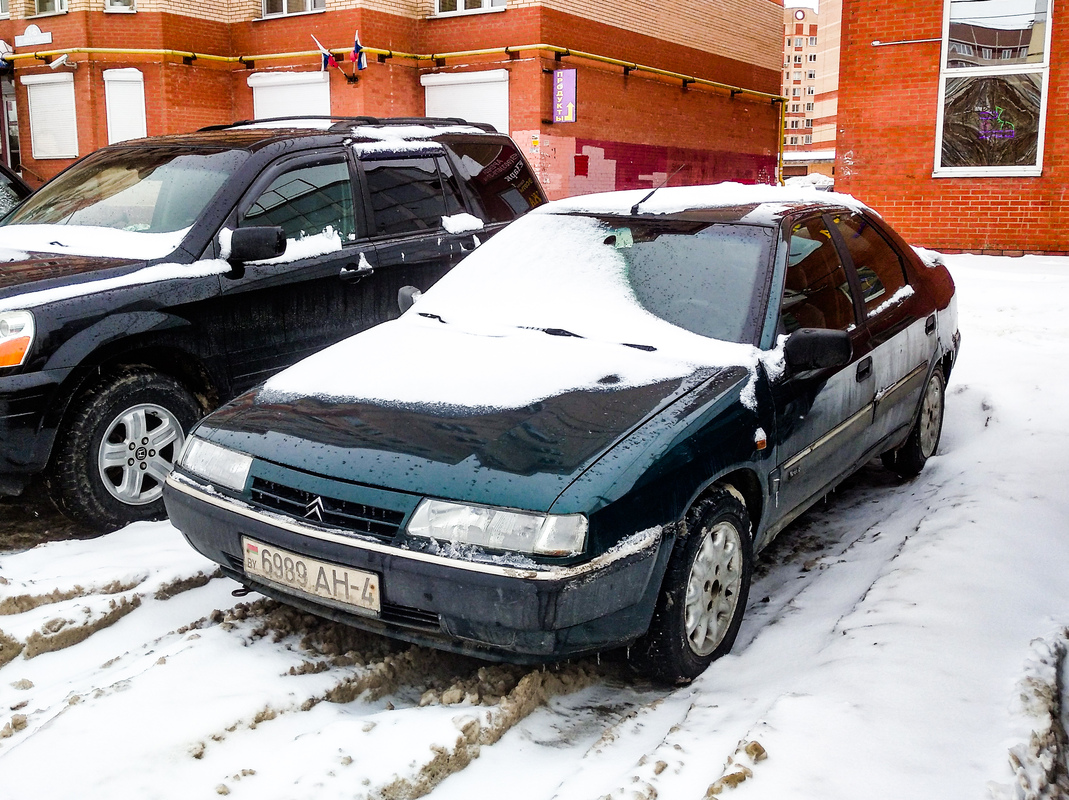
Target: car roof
757 204
256 134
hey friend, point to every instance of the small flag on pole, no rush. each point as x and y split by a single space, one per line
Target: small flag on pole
358 55
328 59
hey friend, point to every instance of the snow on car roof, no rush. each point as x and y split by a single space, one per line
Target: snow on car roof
677 199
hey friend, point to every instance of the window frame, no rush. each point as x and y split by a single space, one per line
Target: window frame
61 8
310 7
486 7
947 74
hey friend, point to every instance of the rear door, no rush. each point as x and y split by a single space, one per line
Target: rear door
413 201
901 332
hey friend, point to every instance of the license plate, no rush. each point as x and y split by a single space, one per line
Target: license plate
335 585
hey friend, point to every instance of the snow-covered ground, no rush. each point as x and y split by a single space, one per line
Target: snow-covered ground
904 640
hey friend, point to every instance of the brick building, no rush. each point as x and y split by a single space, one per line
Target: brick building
811 86
953 121
691 88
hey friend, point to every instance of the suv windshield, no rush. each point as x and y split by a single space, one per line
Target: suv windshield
149 190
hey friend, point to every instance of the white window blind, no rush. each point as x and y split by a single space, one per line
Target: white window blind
474 96
53 120
124 96
288 94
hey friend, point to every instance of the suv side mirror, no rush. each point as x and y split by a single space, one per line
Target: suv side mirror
816 348
407 297
256 244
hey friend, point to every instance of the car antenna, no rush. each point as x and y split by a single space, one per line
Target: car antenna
634 208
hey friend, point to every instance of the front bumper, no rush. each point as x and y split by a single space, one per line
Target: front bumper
25 441
497 611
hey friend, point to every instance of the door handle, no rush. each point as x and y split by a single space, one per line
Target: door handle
929 325
354 272
864 368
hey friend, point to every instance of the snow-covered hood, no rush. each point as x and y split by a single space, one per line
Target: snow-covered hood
473 453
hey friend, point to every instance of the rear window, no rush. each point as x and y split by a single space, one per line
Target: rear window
150 190
498 176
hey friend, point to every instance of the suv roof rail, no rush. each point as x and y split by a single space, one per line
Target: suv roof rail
340 123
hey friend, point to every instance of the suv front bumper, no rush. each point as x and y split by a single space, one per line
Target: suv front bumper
25 441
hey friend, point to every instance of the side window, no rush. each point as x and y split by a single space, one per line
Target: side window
408 195
816 292
498 177
307 201
878 265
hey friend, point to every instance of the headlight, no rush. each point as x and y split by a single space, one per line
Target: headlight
217 464
498 529
16 337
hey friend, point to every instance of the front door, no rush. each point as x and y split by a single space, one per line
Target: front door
822 417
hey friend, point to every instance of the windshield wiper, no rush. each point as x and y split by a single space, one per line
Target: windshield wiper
562 332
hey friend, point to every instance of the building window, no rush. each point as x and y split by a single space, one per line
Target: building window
481 96
808 106
812 41
794 123
807 139
119 5
797 74
796 107
53 119
794 140
809 123
992 112
796 91
797 59
448 7
811 90
124 99
50 6
282 8
799 41
281 94
811 74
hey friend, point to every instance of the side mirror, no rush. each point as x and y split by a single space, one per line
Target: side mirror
256 244
816 348
407 297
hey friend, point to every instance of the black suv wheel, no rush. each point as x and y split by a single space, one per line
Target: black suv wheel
124 434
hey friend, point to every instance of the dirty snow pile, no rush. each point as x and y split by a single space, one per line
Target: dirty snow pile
905 640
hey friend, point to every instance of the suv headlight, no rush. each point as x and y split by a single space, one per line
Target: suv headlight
16 337
218 465
499 529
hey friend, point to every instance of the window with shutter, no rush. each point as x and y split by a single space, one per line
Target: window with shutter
124 96
53 119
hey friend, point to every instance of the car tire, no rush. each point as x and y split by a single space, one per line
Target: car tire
703 596
120 440
909 459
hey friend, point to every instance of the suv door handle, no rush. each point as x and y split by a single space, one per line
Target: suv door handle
929 325
353 272
864 368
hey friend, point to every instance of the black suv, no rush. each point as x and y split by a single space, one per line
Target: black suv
157 278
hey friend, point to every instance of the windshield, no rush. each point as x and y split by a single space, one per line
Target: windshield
588 276
704 278
149 190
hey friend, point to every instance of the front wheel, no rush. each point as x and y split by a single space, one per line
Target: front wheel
122 439
909 459
703 597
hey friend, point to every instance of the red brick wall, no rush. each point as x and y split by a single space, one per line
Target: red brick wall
626 114
888 99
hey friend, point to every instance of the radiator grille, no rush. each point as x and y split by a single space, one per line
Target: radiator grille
357 517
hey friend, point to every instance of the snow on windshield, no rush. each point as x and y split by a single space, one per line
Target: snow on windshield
542 308
88 240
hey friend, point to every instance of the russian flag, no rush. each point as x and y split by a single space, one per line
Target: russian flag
358 55
328 59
